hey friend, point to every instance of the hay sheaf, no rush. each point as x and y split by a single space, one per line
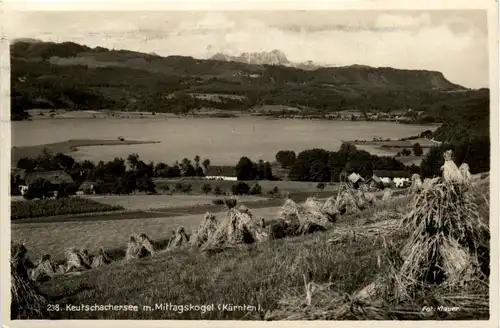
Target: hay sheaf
236 227
308 217
139 246
350 200
27 301
178 240
416 184
44 269
77 260
450 171
446 233
448 236
207 227
102 258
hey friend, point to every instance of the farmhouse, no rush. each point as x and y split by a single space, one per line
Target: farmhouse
399 178
355 179
221 173
54 177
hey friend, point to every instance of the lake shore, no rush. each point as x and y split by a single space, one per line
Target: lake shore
69 146
58 114
424 143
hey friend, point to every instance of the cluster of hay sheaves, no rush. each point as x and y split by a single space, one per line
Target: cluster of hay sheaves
77 260
237 226
445 255
297 219
315 215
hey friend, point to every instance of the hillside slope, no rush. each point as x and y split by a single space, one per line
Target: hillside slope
69 75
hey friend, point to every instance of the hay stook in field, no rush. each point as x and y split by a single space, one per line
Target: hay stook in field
77 260
207 227
178 240
102 258
236 227
297 219
139 246
27 302
446 233
44 269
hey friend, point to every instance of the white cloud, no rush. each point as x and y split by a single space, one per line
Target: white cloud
413 42
402 21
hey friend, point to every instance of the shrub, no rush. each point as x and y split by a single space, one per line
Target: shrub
417 150
206 188
320 186
218 201
218 190
256 189
241 188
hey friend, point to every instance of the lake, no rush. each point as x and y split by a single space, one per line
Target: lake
223 141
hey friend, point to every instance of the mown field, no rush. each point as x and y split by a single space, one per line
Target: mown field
258 275
55 238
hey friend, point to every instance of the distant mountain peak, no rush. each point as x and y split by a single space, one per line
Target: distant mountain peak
274 57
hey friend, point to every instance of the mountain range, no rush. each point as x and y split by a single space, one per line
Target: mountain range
274 57
70 75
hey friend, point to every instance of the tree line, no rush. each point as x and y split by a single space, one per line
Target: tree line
320 165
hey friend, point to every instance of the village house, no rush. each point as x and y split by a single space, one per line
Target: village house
385 178
88 187
356 180
221 173
54 177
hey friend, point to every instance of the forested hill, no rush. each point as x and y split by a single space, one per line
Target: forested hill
69 75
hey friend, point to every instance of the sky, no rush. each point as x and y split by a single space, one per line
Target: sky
452 42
